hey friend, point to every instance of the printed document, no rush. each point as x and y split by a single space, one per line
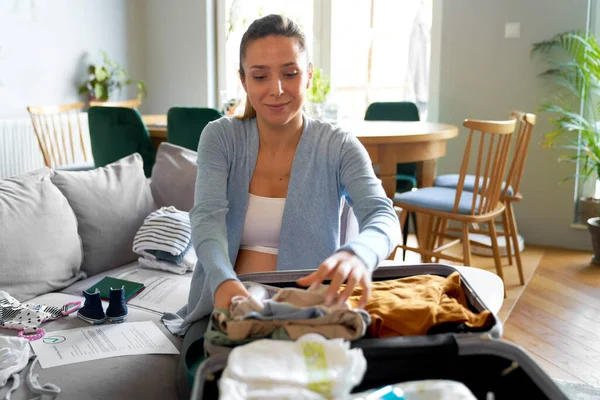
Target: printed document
161 293
104 341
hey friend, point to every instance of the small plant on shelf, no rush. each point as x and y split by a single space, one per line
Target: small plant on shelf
103 79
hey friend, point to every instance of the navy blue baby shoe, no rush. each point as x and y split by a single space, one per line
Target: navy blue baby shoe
117 309
92 311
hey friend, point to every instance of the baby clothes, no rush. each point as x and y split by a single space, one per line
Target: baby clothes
15 353
419 305
27 318
296 311
14 356
310 368
166 229
185 265
164 241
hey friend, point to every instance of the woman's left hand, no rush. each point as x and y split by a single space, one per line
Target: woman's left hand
342 266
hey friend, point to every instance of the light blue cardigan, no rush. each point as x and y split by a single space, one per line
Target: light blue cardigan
329 163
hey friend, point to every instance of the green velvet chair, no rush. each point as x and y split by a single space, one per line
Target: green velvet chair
116 132
185 124
406 173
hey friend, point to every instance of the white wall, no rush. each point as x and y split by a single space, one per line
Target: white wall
180 58
46 46
484 76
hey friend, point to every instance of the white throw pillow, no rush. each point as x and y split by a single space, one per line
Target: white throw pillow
40 250
110 203
174 176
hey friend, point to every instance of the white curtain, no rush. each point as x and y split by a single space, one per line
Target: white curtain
419 54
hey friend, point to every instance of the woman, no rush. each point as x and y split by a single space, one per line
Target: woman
270 183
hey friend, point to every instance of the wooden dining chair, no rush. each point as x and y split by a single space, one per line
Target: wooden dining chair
60 135
510 187
489 160
133 103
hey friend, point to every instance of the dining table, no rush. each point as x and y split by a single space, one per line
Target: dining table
387 142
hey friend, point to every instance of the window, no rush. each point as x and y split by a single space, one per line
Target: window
372 50
238 15
379 52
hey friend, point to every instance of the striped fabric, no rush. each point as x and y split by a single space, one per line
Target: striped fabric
27 317
166 229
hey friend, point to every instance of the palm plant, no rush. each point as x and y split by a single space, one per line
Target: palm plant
574 60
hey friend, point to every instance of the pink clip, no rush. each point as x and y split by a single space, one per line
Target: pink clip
32 336
71 307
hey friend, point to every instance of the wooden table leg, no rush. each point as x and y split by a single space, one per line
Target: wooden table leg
386 171
425 178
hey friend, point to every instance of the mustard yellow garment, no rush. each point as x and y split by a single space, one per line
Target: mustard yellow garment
411 306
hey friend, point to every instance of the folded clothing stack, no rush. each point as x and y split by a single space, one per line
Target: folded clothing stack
288 315
164 241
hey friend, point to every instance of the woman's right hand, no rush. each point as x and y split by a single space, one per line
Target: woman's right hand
228 290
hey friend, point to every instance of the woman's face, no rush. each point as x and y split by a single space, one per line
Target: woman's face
277 75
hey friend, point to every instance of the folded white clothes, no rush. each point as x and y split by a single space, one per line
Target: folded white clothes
310 368
435 389
187 263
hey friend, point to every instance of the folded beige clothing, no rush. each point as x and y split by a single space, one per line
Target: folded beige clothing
298 311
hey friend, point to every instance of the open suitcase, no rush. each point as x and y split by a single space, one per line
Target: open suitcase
490 367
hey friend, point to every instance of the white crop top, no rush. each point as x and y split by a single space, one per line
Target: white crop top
263 224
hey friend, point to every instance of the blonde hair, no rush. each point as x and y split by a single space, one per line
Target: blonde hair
272 24
249 111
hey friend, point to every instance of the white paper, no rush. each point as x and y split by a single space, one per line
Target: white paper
161 293
105 341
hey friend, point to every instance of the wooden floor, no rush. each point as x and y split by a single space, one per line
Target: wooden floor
557 317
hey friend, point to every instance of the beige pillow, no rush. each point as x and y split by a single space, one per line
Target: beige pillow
174 176
110 204
40 250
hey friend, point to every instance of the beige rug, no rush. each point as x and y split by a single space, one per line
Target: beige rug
578 391
530 258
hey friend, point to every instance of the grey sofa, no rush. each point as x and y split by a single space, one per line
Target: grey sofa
61 232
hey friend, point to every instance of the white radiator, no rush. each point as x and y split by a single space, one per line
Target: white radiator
19 149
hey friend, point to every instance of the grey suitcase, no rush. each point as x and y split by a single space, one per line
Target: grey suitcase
481 360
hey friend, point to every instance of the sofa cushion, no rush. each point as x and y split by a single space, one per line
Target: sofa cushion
40 250
110 204
147 376
174 176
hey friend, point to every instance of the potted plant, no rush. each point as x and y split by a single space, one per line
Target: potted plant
318 91
105 78
574 60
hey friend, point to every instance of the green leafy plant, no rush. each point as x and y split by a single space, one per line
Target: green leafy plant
574 60
104 79
319 88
